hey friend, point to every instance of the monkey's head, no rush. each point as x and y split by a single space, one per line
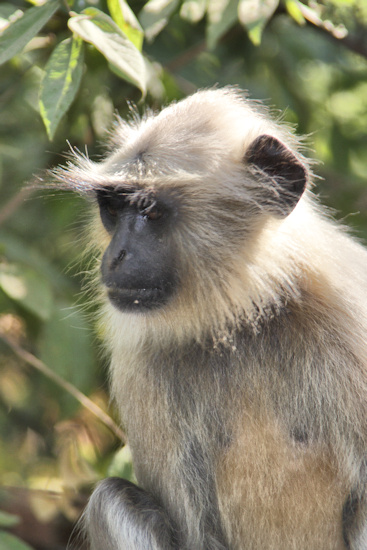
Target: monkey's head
184 197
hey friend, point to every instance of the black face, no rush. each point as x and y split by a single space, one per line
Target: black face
138 267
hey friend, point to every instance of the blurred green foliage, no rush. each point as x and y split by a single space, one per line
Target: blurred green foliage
308 61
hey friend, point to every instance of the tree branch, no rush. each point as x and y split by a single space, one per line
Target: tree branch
356 43
77 394
14 203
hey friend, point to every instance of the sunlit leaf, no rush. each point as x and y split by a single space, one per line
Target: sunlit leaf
254 14
19 33
26 287
222 14
343 2
122 465
154 79
255 34
37 2
99 29
193 10
61 81
155 14
126 20
11 542
294 10
8 15
7 10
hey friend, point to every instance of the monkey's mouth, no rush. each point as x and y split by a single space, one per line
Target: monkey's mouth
138 299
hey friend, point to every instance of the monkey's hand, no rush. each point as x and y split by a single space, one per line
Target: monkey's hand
121 516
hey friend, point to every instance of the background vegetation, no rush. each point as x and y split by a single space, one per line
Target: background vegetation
66 68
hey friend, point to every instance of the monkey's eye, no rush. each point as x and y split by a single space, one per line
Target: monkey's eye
151 213
148 208
110 205
111 210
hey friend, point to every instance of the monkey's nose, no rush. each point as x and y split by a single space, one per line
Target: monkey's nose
118 259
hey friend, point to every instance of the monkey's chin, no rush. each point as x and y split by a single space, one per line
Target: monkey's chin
138 299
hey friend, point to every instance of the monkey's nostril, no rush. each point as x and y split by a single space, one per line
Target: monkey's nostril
118 259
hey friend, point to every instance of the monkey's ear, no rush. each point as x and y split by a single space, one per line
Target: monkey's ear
286 175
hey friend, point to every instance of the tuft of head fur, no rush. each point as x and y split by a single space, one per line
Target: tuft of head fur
193 139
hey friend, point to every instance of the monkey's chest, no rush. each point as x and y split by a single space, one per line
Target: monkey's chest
256 490
275 494
225 471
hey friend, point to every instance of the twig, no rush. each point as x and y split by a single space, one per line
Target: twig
186 57
78 395
14 203
357 43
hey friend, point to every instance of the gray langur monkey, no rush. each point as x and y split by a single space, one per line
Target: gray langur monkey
235 313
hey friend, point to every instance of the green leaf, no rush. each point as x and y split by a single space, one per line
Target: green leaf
66 347
193 10
60 82
8 520
126 20
98 29
19 33
11 542
255 33
122 465
294 10
155 14
7 10
27 288
254 14
17 251
222 14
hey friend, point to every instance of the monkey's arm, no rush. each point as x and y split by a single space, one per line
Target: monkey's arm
121 516
355 520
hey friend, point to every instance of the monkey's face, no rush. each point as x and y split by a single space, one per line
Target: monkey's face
186 196
138 266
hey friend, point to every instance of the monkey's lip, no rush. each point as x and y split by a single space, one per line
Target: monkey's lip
130 299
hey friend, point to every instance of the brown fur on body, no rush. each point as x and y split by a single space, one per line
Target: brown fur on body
245 396
227 425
